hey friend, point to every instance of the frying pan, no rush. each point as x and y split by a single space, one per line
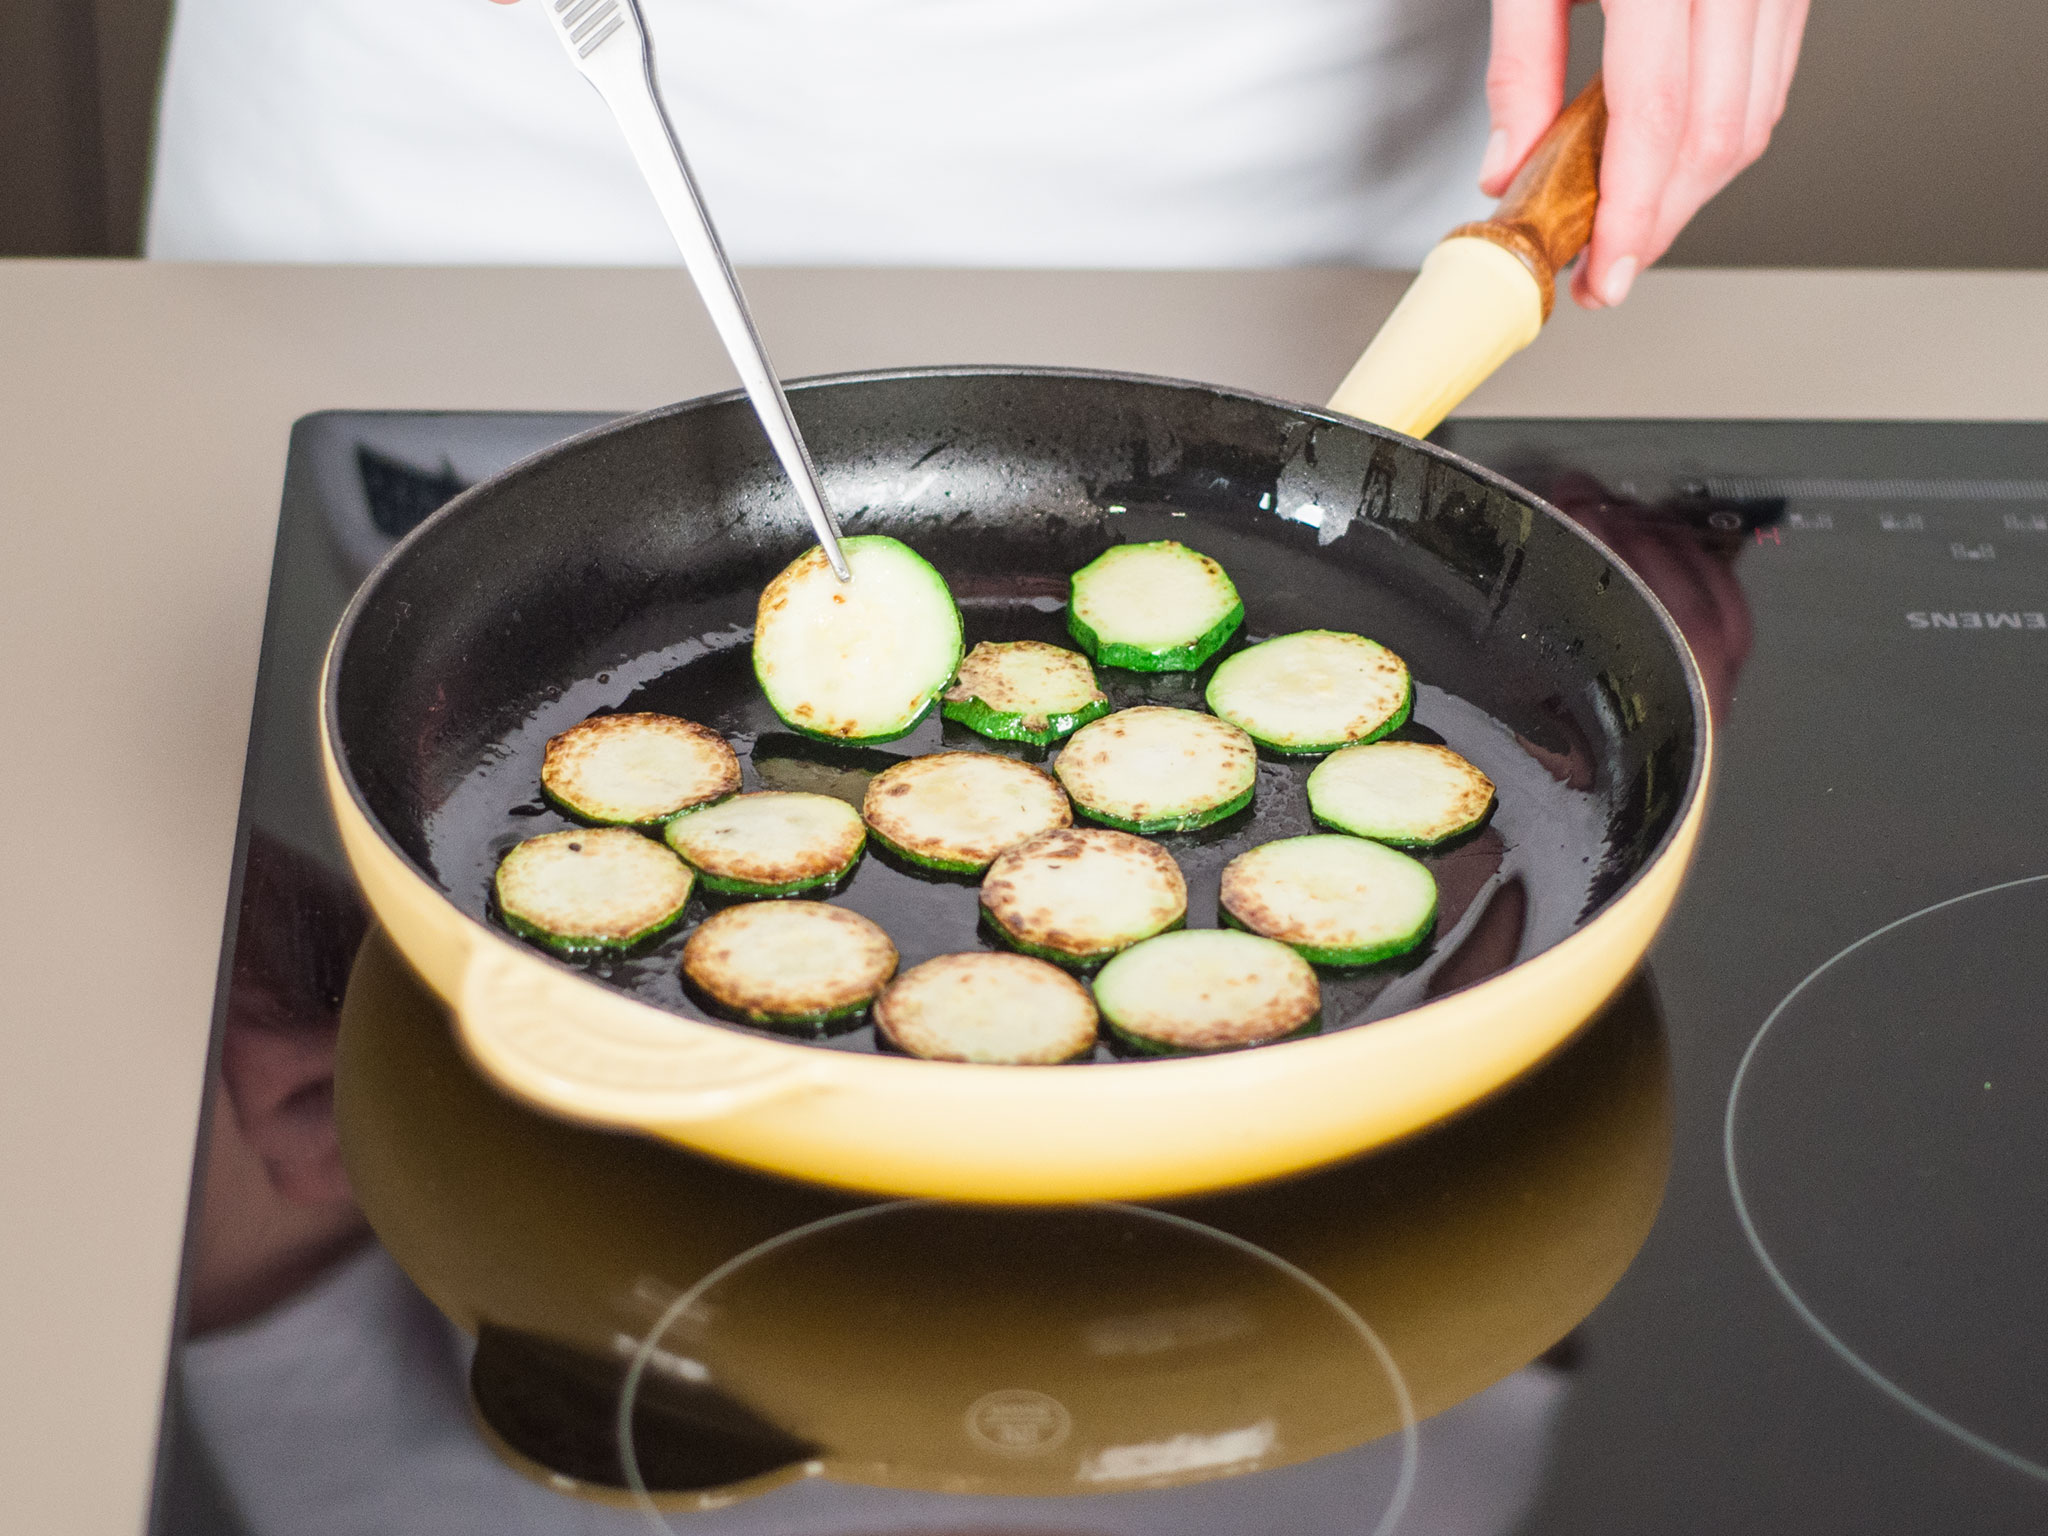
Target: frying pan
620 570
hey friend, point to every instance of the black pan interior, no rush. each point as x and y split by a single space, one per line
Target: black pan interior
620 571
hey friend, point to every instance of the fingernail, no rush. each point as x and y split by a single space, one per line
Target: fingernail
1620 278
1496 158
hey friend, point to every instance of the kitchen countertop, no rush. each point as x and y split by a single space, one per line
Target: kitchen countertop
147 410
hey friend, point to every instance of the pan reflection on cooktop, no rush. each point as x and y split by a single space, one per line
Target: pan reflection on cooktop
779 1352
1099 1349
1887 1148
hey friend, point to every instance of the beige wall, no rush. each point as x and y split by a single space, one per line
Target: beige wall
1915 136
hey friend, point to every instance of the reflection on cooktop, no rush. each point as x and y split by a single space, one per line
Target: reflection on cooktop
1887 1148
1098 1349
773 1345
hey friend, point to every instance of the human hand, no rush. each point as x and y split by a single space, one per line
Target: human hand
1694 88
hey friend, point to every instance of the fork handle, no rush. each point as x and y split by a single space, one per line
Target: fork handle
621 66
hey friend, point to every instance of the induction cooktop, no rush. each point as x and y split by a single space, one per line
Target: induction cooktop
1760 1251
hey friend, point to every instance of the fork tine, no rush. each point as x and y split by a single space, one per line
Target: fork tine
603 13
592 46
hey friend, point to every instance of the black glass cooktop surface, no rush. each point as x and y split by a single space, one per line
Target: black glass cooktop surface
1760 1251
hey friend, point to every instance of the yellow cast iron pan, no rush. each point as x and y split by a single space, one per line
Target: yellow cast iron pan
620 570
792 1330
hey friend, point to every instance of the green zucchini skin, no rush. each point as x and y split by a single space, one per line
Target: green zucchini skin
724 886
1008 725
822 1022
958 810
1078 896
1349 959
942 866
1395 721
1250 690
1207 990
1192 822
580 947
1166 571
760 988
1158 769
577 813
575 754
770 844
1024 690
1179 658
1144 1045
1263 890
1060 957
859 741
653 824
1410 795
523 899
989 1008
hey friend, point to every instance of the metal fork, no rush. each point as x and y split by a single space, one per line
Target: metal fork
608 41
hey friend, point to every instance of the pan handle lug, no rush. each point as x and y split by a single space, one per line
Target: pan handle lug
580 1051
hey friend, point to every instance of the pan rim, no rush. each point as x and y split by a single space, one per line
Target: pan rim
1679 827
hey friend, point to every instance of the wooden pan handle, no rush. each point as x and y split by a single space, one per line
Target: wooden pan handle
1546 215
1486 289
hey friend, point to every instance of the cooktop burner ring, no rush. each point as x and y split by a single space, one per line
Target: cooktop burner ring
643 1357
1984 1445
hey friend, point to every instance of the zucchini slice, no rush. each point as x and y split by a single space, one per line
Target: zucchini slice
1159 607
1336 900
1313 691
637 770
1076 896
1207 989
584 890
1154 769
859 660
780 963
769 843
955 811
988 1007
1407 793
1024 690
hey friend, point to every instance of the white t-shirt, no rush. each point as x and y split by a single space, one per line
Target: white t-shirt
1154 133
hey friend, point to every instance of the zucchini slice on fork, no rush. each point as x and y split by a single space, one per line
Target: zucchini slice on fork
857 660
